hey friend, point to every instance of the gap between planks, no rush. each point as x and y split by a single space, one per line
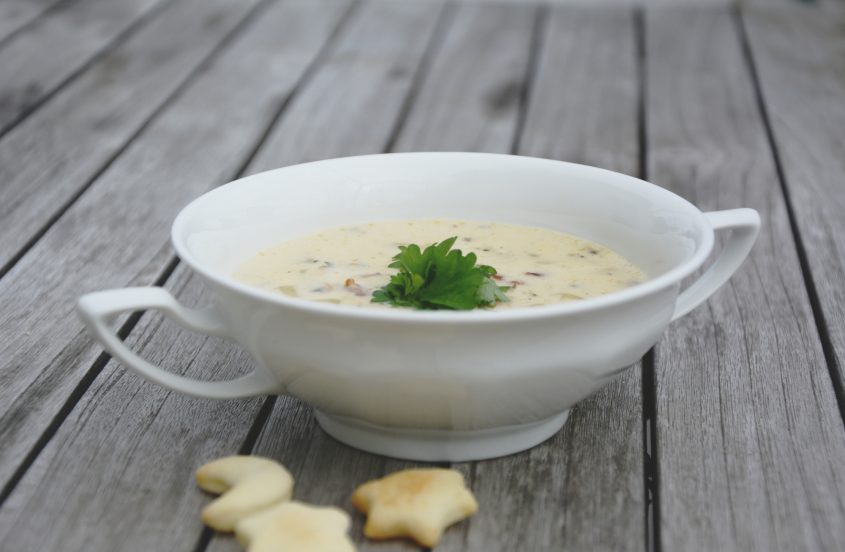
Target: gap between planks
8 122
108 161
815 303
207 533
163 277
648 382
11 255
747 378
420 74
538 33
77 393
25 20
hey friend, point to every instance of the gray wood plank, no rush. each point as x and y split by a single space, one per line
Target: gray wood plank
351 104
116 234
376 58
796 7
123 462
471 100
43 56
580 490
49 158
16 14
583 488
750 440
798 54
586 102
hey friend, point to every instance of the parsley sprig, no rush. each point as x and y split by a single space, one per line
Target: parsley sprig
439 277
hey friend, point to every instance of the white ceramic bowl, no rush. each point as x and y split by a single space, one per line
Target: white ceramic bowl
434 385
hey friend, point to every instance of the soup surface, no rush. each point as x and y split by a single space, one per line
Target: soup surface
345 265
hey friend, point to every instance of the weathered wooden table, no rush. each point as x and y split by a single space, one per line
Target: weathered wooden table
116 113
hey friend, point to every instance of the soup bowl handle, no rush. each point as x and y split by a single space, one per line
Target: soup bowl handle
744 225
99 308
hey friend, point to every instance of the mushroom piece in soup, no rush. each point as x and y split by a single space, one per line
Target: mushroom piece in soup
346 265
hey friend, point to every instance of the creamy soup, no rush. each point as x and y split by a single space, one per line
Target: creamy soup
345 265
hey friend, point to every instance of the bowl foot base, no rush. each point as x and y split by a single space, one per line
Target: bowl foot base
433 445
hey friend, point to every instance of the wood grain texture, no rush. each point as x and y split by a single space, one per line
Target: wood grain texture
584 106
17 14
117 233
50 157
350 106
471 100
582 489
750 439
43 56
749 436
799 56
119 474
795 7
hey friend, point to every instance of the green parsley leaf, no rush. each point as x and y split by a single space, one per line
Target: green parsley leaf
439 277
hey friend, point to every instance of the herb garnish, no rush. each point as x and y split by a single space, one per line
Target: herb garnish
437 278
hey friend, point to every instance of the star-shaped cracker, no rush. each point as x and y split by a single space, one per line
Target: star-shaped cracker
416 503
295 527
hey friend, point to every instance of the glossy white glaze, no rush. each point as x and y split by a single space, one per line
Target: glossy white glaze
437 378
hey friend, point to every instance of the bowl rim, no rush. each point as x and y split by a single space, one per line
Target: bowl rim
475 316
